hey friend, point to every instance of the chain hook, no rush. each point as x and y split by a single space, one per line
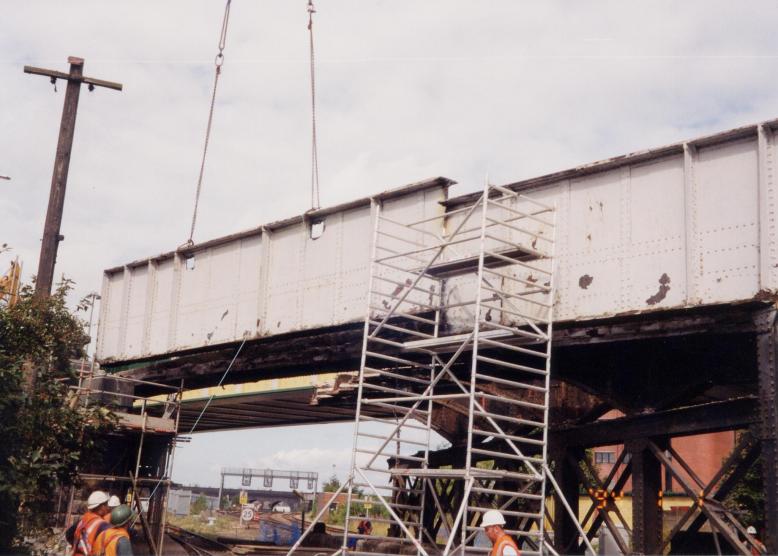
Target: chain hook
311 11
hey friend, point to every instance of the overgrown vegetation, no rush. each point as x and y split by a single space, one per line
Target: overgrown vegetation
199 505
746 500
45 435
332 484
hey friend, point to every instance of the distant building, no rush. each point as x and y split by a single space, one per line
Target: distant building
179 501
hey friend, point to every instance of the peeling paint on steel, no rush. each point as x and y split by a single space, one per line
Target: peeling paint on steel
664 287
585 281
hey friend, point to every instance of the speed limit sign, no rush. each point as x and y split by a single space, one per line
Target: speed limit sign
247 514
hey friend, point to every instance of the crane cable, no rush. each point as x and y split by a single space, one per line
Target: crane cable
218 62
315 203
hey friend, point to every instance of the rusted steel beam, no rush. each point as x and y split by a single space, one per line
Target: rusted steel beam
337 348
721 521
603 515
565 531
616 480
295 354
646 488
733 318
733 470
767 343
732 414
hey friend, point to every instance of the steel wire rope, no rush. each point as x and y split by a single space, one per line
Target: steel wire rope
229 368
315 201
205 407
218 62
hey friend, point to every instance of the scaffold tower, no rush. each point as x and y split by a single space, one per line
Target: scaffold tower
459 319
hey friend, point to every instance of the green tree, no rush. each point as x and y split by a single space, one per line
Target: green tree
332 484
199 505
45 435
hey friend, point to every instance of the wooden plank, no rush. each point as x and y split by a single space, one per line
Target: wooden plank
153 424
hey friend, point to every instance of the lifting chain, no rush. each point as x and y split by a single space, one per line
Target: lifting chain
218 62
315 203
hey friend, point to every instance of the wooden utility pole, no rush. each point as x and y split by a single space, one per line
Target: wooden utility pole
51 230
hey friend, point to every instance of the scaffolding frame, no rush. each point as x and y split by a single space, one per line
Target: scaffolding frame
492 279
142 416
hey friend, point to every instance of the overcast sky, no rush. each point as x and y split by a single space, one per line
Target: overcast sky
407 90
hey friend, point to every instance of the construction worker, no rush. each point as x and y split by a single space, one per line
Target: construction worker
92 523
757 548
365 527
116 540
502 543
71 531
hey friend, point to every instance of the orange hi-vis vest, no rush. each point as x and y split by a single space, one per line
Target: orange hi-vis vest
106 542
501 543
85 534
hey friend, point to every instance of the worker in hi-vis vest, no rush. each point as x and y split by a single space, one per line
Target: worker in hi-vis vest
116 540
502 543
91 524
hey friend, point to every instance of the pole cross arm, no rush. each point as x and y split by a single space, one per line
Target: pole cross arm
83 79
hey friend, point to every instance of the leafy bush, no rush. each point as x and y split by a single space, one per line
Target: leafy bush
746 500
199 505
45 434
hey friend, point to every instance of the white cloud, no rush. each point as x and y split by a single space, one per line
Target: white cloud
303 458
406 90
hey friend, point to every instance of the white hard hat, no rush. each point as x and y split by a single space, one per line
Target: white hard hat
114 501
492 517
96 498
751 530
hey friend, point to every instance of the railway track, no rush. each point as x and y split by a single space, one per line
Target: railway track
199 545
290 518
196 545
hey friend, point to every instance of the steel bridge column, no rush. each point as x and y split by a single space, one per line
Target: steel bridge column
565 530
646 500
766 361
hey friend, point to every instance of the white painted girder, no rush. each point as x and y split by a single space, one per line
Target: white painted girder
683 225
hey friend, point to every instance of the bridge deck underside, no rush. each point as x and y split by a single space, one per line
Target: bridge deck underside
337 349
266 409
650 362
